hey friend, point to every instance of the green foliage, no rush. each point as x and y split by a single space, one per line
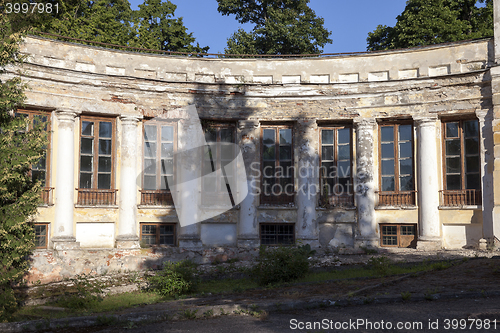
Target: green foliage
88 294
427 22
175 279
281 27
406 296
379 265
152 26
19 194
281 264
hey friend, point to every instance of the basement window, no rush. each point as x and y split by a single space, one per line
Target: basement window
41 235
398 235
157 234
277 234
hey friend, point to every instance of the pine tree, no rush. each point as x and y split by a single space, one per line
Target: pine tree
19 194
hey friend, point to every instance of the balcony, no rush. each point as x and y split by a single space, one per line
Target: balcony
96 197
396 199
459 198
46 194
156 198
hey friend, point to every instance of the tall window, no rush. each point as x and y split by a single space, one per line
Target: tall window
159 148
336 166
40 170
96 162
396 165
215 159
277 165
462 163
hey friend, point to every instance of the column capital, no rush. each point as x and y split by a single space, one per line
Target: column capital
130 120
369 123
66 115
425 120
482 115
248 124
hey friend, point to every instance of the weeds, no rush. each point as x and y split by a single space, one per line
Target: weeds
406 296
175 279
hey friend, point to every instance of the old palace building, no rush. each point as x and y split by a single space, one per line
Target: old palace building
404 147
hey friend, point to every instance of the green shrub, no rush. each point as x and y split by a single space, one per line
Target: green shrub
175 279
281 264
88 293
379 265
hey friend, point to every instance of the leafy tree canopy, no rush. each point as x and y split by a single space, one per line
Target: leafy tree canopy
427 22
152 26
281 27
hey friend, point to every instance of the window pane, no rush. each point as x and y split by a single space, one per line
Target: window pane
268 136
105 147
472 146
149 133
167 150
453 165
452 147
104 164
86 163
405 133
87 128
149 182
405 150
210 134
387 133
286 170
226 135
87 146
472 164
268 153
453 182
387 150
344 169
344 135
388 183
268 169
105 129
103 181
167 133
85 180
38 175
150 166
164 183
327 137
471 128
389 230
452 130
390 240
407 230
328 170
406 183
209 184
388 167
150 149
167 167
40 165
405 167
285 152
285 136
228 153
344 152
327 153
472 182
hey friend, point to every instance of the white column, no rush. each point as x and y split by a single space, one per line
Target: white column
308 181
365 195
428 184
486 147
496 27
249 140
127 223
64 237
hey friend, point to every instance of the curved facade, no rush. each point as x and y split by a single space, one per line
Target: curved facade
403 149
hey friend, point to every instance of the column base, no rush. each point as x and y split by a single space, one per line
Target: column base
190 241
368 243
430 244
127 242
63 243
483 244
248 242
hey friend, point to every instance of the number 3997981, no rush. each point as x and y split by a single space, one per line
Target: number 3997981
31 7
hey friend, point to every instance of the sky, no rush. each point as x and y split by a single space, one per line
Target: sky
348 20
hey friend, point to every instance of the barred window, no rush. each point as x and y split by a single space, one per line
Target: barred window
277 234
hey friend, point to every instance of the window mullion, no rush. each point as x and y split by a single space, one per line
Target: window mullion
396 159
